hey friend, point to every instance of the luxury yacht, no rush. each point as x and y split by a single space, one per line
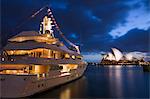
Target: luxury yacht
33 62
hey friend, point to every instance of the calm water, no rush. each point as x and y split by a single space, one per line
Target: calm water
104 82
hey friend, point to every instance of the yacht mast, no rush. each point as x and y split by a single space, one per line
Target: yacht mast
60 32
47 24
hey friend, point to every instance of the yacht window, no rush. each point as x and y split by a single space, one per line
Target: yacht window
25 79
52 54
57 55
2 79
73 56
39 52
40 75
62 56
79 57
30 68
60 67
67 56
54 68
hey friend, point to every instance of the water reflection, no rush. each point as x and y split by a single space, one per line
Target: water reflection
65 94
66 91
115 80
104 82
126 81
116 66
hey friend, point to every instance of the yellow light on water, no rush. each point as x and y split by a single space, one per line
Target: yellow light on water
66 94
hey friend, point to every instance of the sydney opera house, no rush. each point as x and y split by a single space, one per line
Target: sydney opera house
118 57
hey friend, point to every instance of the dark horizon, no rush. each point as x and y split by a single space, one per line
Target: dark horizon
95 25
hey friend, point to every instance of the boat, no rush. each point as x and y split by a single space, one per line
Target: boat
32 62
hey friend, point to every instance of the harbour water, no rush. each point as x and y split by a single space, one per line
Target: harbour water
104 82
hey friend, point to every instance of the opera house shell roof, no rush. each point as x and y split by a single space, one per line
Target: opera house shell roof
117 55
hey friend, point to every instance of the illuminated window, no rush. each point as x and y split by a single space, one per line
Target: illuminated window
73 57
79 57
67 56
39 52
50 53
57 54
3 59
68 67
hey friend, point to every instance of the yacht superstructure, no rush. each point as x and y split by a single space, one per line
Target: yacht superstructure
33 61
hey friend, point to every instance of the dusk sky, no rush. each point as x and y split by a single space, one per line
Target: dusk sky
97 25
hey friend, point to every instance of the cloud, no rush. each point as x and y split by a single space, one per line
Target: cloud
138 17
90 21
91 16
134 40
93 57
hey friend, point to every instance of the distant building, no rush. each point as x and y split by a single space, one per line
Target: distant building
116 56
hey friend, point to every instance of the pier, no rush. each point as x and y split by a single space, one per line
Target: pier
145 65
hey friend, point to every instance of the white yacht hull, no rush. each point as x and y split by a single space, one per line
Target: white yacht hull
13 86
